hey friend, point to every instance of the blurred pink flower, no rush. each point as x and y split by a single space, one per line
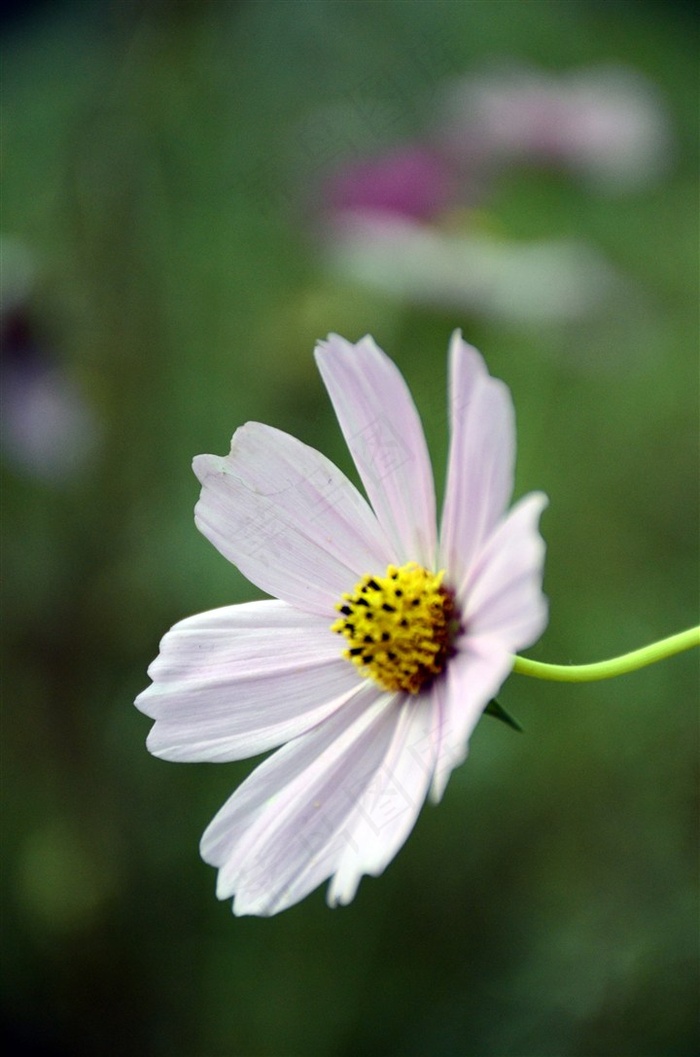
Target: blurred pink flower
607 124
385 642
413 181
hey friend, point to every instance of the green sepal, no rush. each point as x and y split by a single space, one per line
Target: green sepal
498 712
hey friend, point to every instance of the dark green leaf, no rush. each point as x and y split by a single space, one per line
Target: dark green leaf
498 712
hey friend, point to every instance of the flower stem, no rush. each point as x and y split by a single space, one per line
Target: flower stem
628 662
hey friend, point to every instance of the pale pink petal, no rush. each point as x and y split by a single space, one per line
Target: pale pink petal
383 431
473 676
504 595
502 609
481 461
234 682
288 518
284 830
387 810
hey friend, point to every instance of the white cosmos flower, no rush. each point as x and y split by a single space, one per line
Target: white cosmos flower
385 641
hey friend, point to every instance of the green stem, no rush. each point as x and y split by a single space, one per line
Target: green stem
628 662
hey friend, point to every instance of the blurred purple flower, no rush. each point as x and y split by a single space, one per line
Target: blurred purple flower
412 181
47 429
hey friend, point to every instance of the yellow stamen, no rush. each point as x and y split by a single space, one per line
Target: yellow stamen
399 626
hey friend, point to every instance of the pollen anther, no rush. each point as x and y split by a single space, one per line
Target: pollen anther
399 627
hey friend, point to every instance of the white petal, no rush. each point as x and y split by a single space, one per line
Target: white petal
288 518
473 676
504 595
283 831
383 431
387 810
481 461
502 609
237 681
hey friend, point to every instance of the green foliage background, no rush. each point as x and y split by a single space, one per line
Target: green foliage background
549 905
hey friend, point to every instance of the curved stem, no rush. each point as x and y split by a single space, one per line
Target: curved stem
628 662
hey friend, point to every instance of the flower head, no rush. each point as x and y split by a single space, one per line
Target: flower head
605 124
384 642
411 181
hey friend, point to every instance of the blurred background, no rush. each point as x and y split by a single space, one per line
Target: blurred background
194 193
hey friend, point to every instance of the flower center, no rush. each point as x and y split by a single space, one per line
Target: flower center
399 626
